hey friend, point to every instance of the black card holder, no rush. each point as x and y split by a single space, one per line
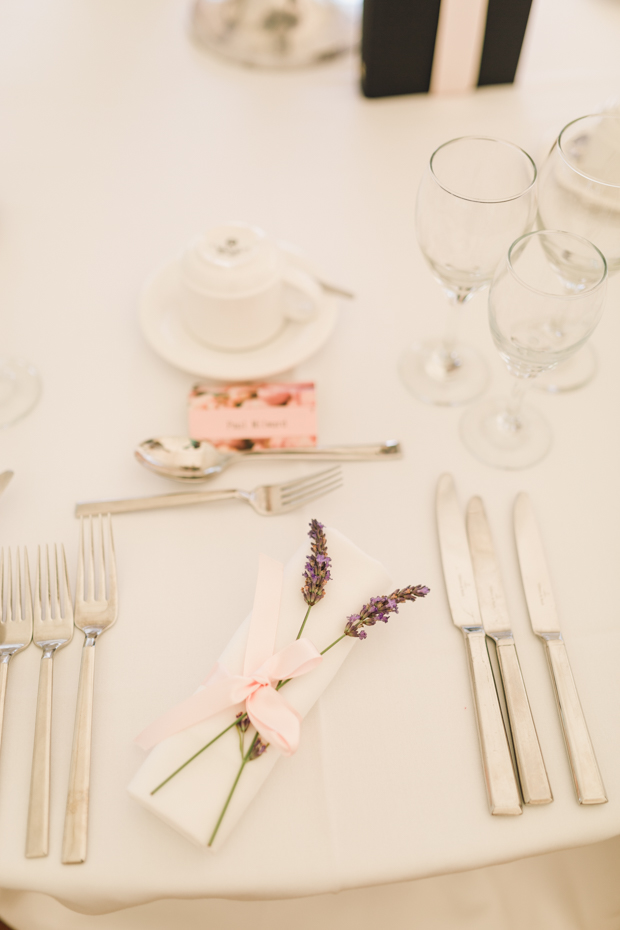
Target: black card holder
398 44
398 41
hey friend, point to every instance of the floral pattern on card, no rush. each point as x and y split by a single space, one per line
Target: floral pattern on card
254 416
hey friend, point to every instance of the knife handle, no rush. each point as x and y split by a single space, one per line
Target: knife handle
535 785
586 775
499 773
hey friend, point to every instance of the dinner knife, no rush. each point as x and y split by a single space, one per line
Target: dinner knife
5 478
533 776
499 773
545 623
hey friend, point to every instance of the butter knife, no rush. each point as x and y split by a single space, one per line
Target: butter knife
545 623
499 773
533 776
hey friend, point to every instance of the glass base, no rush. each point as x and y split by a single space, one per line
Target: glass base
276 33
20 389
497 440
438 377
570 375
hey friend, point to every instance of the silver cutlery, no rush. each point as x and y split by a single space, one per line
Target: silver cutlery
96 609
546 624
188 460
15 622
533 776
499 773
334 289
53 629
267 500
5 478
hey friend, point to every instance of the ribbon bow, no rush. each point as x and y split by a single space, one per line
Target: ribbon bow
276 721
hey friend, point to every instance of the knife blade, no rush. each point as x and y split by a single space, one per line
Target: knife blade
546 624
496 620
5 478
499 773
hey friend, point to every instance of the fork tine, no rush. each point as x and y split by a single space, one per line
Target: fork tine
66 590
305 499
300 482
101 562
79 578
37 589
309 486
28 598
90 568
18 589
48 599
55 587
112 591
9 589
316 488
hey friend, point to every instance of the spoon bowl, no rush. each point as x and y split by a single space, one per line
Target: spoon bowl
192 461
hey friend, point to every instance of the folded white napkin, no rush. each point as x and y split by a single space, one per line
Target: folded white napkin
192 801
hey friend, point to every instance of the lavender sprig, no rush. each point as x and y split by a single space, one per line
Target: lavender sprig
380 608
317 572
257 748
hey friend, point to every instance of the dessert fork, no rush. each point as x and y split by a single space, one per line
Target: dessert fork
53 629
267 499
96 608
15 624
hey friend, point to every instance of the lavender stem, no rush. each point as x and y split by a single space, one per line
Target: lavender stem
301 628
196 754
232 791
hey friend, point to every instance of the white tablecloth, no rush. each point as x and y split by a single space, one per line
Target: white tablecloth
120 142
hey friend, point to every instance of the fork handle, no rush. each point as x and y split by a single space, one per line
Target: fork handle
37 835
4 672
75 839
156 502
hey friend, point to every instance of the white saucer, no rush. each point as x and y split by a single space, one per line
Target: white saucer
166 335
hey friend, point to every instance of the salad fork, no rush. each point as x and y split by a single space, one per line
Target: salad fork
53 629
267 499
96 608
15 623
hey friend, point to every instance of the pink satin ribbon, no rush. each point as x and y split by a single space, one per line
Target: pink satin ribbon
277 722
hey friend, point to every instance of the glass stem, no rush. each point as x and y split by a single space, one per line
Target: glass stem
512 416
445 360
453 322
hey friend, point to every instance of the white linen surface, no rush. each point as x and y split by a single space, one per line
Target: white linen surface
121 141
192 801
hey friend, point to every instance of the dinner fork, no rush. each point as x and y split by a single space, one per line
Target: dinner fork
53 629
15 623
268 499
96 608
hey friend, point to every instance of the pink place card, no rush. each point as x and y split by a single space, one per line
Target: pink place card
254 416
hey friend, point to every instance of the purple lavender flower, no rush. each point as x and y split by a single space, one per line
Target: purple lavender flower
258 748
243 721
317 571
380 608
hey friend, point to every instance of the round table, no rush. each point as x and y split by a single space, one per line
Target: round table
122 141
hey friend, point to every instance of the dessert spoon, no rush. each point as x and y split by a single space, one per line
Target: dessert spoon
189 460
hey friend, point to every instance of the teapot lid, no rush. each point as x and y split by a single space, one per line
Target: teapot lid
231 260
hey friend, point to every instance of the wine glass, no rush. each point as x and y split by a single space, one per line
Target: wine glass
477 195
579 190
545 301
19 389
